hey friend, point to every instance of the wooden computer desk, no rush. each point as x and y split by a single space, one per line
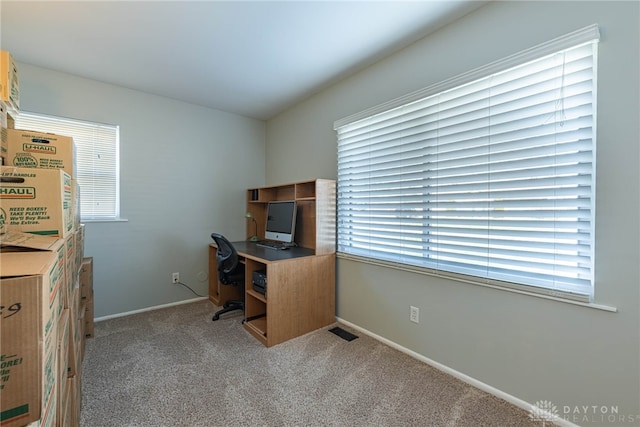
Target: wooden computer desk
300 294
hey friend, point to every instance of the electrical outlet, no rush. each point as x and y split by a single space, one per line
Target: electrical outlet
414 314
175 277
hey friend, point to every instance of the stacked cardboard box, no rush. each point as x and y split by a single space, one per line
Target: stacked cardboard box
36 201
9 98
43 318
86 295
9 81
30 149
4 134
31 278
6 122
42 337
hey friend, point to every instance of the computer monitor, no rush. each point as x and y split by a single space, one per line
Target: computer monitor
281 221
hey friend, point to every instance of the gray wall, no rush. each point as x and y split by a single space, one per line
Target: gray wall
531 348
184 170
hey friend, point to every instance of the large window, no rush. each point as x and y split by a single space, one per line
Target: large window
97 161
487 177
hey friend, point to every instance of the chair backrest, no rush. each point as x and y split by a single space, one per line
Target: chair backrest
227 258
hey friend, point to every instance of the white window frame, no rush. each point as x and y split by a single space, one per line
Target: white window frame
370 231
97 161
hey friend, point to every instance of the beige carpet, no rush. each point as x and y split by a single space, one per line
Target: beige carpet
175 367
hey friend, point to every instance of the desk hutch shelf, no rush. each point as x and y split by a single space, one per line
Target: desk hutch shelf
316 220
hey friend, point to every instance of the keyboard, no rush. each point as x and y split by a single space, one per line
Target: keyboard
273 245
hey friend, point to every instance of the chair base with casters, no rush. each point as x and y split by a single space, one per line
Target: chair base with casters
227 307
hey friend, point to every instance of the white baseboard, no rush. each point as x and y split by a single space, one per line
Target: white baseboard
142 310
463 377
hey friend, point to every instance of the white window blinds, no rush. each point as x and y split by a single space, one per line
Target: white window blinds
487 179
97 160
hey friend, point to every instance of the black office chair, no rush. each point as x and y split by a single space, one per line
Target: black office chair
230 272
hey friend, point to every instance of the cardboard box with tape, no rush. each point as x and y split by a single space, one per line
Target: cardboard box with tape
9 82
35 201
30 149
31 278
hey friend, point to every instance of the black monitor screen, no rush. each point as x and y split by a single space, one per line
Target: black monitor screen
281 220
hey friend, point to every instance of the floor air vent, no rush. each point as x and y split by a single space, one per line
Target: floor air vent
343 334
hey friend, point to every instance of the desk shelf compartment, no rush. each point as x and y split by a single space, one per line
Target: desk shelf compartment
258 328
255 310
257 295
306 190
267 194
255 304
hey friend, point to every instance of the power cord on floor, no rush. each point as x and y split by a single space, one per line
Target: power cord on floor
187 286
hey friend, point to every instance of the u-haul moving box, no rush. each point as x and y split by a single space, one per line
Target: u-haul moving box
30 283
36 201
30 149
9 83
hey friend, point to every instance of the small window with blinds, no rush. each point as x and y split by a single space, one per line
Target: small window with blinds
97 161
486 178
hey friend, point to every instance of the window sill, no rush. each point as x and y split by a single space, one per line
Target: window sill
418 270
90 220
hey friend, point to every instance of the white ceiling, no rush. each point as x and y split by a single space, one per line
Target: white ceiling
254 58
